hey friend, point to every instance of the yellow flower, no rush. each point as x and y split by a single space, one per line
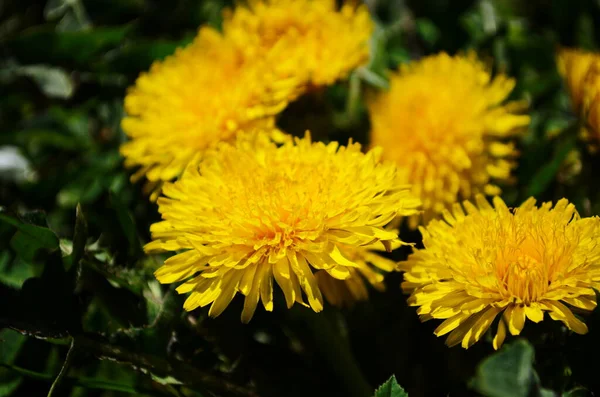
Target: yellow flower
346 292
203 94
493 260
581 71
445 123
253 212
322 43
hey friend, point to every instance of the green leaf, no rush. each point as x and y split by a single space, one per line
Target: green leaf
13 165
428 31
36 139
391 388
53 81
132 58
11 342
373 78
577 392
79 238
29 238
14 272
507 373
45 45
10 346
90 383
8 387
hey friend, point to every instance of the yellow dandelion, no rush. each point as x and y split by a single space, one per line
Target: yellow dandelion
445 122
203 94
492 260
370 266
322 43
581 72
251 213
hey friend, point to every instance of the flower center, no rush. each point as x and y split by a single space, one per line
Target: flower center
523 277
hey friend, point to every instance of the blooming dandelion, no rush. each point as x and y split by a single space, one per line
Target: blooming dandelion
318 41
205 93
494 261
581 72
446 123
253 212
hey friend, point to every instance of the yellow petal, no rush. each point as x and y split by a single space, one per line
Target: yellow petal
534 313
250 302
248 279
230 288
582 302
307 280
515 318
500 335
266 288
451 323
481 325
339 272
560 312
280 270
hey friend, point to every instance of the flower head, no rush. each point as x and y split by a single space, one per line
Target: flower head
205 93
321 42
581 71
444 121
491 260
254 211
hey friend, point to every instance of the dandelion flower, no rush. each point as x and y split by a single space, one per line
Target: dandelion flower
251 213
493 261
445 122
370 266
204 94
581 71
321 42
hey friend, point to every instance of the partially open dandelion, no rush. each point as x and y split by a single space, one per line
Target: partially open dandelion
519 263
445 122
205 93
319 41
581 71
253 212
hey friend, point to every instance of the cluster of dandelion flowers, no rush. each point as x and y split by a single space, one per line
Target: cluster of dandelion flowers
445 122
251 213
205 93
581 71
318 40
492 260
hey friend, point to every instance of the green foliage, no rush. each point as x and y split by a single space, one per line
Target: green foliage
507 373
390 388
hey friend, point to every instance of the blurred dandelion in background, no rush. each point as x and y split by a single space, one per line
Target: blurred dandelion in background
446 123
581 72
204 94
224 83
314 38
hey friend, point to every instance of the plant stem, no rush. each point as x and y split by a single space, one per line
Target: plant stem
334 349
187 374
64 369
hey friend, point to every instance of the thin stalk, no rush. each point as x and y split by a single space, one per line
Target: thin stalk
64 370
334 350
